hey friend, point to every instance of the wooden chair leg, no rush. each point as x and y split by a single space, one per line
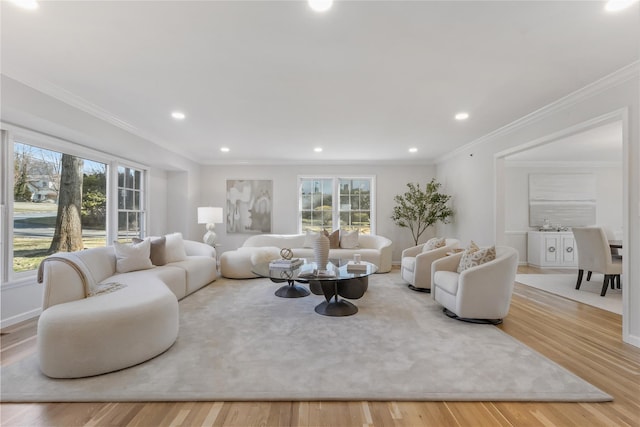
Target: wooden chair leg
605 283
580 273
618 281
589 275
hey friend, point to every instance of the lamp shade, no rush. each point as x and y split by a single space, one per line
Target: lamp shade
209 215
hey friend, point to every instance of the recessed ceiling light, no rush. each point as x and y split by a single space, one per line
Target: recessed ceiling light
26 4
413 150
320 5
616 5
178 115
318 149
462 116
225 149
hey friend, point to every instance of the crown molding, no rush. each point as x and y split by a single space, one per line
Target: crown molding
85 106
560 164
609 81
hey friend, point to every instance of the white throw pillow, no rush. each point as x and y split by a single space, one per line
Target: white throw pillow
349 239
174 248
434 243
132 257
310 238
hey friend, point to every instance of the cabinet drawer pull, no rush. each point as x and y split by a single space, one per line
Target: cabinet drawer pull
569 249
551 249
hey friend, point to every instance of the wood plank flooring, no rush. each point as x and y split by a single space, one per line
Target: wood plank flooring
584 339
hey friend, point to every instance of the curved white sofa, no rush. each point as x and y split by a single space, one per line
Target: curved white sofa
81 335
237 264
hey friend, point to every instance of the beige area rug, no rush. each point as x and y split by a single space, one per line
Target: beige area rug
564 285
238 341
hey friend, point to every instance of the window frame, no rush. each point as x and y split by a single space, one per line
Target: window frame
335 206
12 134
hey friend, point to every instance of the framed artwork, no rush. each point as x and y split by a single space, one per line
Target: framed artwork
249 206
567 200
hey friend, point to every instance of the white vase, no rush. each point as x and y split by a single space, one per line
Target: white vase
321 251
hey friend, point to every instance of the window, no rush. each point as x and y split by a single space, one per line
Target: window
130 203
58 199
346 201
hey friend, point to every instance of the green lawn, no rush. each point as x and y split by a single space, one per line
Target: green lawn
28 252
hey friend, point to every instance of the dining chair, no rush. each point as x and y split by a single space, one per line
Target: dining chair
594 255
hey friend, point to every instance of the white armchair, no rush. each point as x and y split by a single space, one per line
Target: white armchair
416 264
480 294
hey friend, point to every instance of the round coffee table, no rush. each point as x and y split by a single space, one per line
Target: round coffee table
335 281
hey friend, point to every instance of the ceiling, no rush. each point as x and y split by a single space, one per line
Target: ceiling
272 80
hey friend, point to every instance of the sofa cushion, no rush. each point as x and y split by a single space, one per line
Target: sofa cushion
447 281
174 248
349 239
133 257
434 243
409 263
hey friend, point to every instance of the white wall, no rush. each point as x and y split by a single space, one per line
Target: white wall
470 173
516 185
390 181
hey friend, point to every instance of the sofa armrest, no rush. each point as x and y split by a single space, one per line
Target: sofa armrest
193 248
412 251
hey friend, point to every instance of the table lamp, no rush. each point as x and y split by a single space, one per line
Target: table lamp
210 216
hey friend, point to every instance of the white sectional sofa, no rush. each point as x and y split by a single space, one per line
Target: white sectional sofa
134 318
237 264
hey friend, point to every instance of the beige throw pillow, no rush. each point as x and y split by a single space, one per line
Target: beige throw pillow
349 239
434 243
476 257
133 257
334 239
174 249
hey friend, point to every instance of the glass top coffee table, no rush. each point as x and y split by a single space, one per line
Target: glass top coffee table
335 281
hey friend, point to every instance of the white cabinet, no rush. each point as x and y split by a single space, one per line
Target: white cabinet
551 249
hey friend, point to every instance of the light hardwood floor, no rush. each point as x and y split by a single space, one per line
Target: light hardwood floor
583 339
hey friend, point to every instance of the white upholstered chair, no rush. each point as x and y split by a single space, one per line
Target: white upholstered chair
480 294
416 264
594 255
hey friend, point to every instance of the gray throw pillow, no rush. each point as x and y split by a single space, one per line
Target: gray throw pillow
158 250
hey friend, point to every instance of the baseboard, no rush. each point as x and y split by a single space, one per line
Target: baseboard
5 323
634 340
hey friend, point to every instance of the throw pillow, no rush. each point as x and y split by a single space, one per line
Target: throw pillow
349 239
334 238
174 248
478 257
434 243
158 250
467 253
309 239
132 257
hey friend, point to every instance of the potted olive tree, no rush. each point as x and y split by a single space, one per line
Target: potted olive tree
419 209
